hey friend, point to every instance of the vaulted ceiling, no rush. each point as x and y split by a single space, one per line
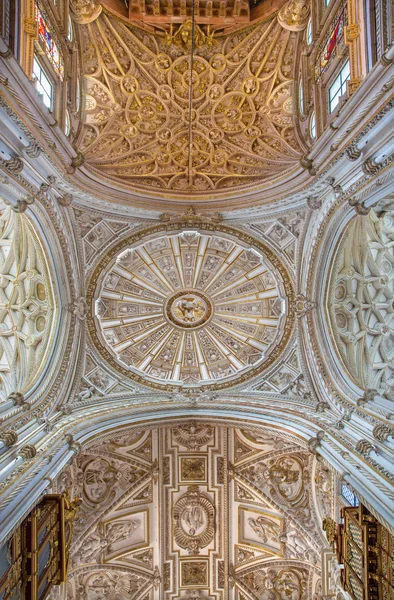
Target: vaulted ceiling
180 111
196 510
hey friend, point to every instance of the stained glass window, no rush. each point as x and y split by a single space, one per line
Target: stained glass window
331 41
48 44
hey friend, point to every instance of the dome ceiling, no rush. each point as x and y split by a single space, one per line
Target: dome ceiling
190 307
138 123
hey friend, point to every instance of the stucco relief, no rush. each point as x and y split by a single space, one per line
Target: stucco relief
190 307
136 117
360 304
28 304
263 538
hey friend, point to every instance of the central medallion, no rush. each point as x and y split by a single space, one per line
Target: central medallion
188 309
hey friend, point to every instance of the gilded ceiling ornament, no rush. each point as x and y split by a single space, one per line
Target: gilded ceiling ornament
188 35
294 15
85 11
330 528
135 119
193 435
189 308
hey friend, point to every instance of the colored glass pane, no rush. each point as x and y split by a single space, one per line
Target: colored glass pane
49 45
332 40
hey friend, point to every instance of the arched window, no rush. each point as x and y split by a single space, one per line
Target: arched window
70 33
48 64
338 87
67 124
301 97
309 33
43 83
312 126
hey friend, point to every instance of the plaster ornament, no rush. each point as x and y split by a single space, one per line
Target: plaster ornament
294 545
27 452
27 306
364 447
243 131
111 527
294 15
330 528
65 200
14 165
302 305
315 442
86 394
188 35
9 437
33 150
81 309
194 521
191 311
85 11
194 435
382 432
360 307
265 528
17 398
314 202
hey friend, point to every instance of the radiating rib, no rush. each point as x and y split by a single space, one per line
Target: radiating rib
139 318
202 246
200 357
154 268
155 350
246 277
243 338
178 258
227 263
269 321
134 339
176 371
271 293
141 282
139 300
234 360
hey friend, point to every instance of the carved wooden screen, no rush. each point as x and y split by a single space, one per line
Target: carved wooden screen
41 539
366 549
11 568
36 557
